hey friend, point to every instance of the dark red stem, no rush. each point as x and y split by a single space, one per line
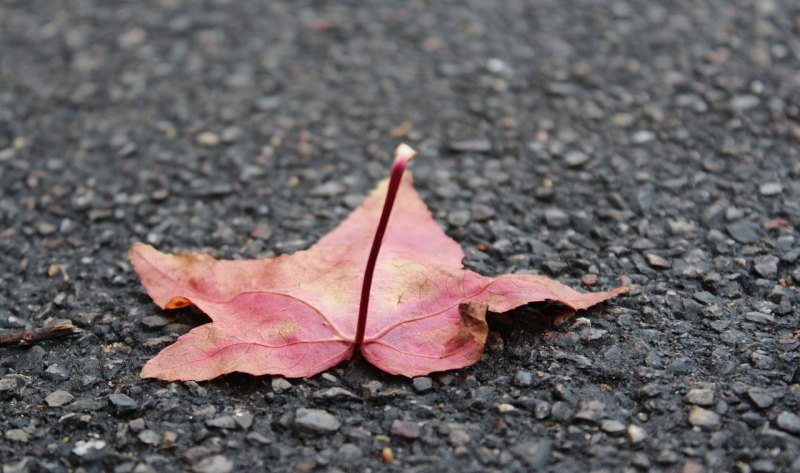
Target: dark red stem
403 154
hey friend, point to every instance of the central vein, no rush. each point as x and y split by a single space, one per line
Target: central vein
402 155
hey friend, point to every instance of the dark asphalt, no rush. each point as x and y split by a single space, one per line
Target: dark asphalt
596 142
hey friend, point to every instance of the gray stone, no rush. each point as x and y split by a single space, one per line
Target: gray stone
761 397
334 393
136 425
123 403
149 437
742 103
789 422
7 384
481 212
534 453
405 430
613 427
523 378
470 146
591 411
700 397
770 188
743 231
280 385
156 321
561 411
700 417
83 448
576 158
213 464
555 218
349 453
17 435
259 438
316 420
459 218
243 418
222 422
636 433
759 318
58 398
422 384
658 262
766 266
705 297
458 438
208 139
643 136
55 372
329 189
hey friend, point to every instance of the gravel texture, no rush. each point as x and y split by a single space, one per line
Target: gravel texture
600 143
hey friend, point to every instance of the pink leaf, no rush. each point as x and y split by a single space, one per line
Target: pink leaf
297 315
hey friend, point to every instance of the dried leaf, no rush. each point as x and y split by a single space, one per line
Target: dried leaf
296 315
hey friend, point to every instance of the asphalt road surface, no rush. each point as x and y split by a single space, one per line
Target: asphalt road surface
599 143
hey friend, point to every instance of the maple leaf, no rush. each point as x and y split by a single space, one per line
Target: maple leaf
398 294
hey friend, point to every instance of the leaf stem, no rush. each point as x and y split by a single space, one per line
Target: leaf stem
402 155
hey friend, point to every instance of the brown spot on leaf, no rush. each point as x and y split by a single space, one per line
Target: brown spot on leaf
177 303
473 319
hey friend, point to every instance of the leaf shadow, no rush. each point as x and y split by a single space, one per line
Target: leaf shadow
536 318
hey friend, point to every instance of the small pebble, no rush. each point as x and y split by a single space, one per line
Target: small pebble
58 398
555 218
334 393
349 453
743 231
613 427
760 397
523 378
759 318
85 447
149 437
208 139
458 438
280 385
17 435
770 188
636 433
742 103
643 136
700 417
213 464
658 262
459 218
329 189
222 422
535 454
576 158
405 430
767 266
316 420
589 280
422 384
470 146
789 422
700 397
123 403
